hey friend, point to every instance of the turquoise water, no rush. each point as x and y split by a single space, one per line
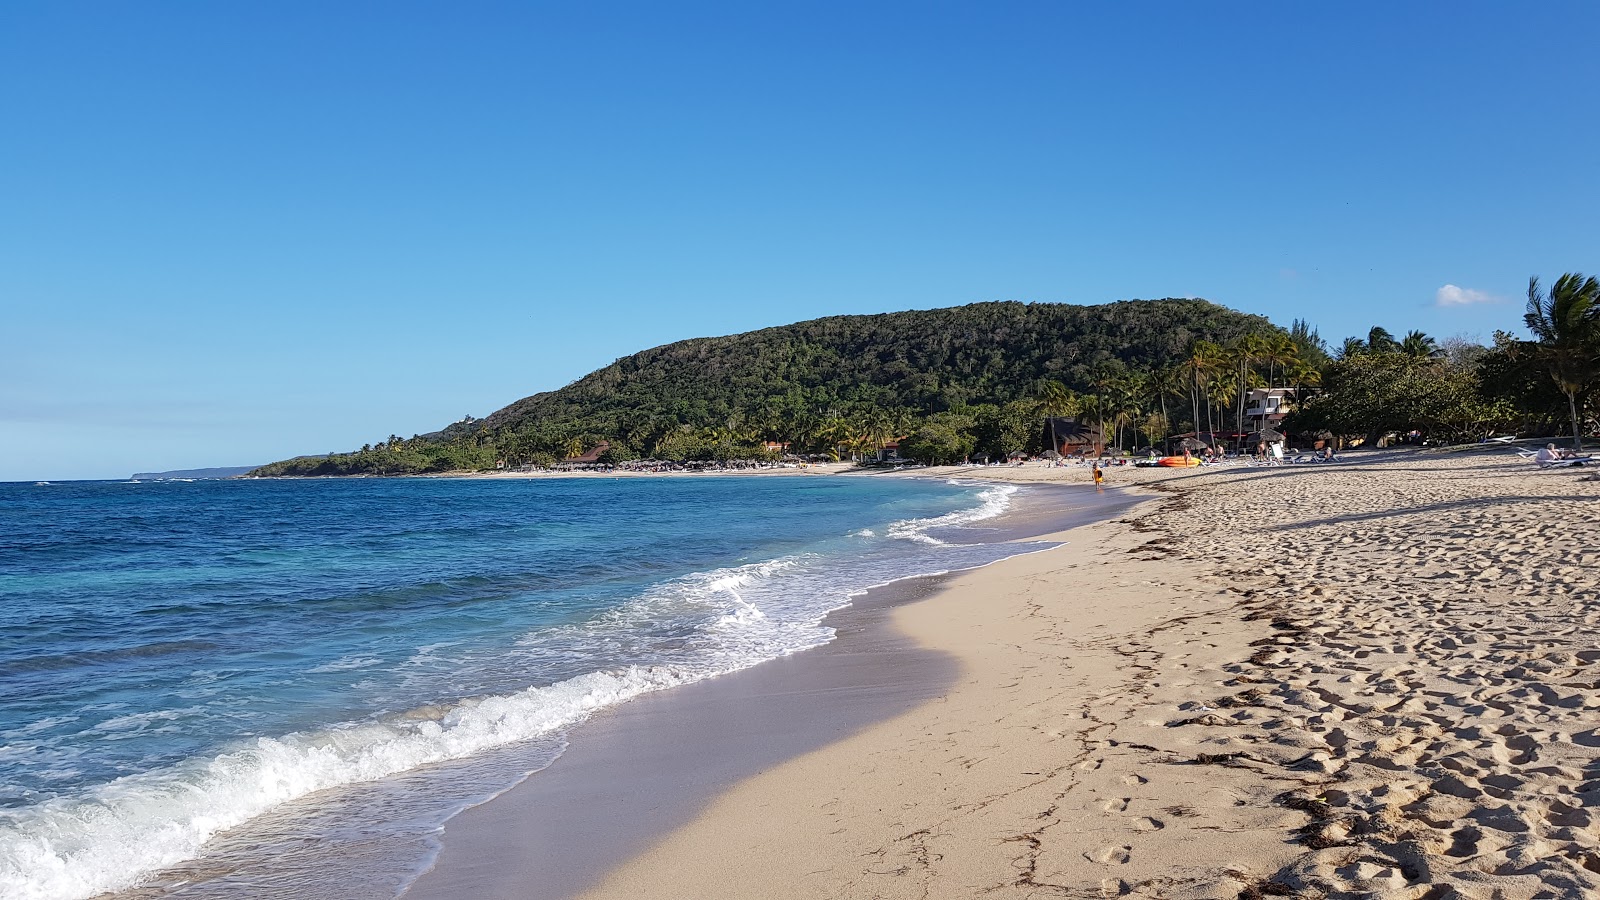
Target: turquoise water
177 658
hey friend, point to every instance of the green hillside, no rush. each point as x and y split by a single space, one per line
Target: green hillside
976 371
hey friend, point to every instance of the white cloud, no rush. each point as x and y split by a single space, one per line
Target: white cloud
1450 295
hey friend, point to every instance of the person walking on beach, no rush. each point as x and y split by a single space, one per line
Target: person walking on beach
1098 477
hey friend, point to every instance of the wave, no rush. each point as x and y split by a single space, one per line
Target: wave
995 501
683 630
127 829
124 830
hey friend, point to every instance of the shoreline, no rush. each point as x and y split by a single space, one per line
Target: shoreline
570 823
367 836
1371 679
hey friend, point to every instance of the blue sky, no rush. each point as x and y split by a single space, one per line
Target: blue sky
230 233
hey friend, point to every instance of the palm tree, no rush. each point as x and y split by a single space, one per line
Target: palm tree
1202 362
1282 350
1055 399
1302 376
1352 346
1135 390
1566 329
1164 382
1379 340
1244 352
1419 346
1099 406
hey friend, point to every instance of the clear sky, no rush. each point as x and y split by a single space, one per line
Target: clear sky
235 232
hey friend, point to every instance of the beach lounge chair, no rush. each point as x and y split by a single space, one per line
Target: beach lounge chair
1556 463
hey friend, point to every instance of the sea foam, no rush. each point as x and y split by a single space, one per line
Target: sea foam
115 834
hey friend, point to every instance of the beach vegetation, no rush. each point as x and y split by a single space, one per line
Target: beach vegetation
992 380
940 441
983 375
1372 395
1565 323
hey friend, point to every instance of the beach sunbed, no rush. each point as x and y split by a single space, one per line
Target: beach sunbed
1559 463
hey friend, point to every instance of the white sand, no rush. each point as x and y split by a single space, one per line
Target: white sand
1368 679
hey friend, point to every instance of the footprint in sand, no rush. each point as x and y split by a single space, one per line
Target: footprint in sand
1115 805
1145 823
1135 779
1111 856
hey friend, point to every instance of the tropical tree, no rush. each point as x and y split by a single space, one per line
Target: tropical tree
1056 399
1420 346
1308 344
1372 395
1379 340
1203 361
1566 328
1244 352
1352 346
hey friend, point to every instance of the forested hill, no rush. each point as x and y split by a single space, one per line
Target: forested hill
806 383
926 360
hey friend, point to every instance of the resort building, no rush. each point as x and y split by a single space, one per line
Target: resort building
1267 407
1069 435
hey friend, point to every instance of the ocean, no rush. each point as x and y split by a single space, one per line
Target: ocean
179 659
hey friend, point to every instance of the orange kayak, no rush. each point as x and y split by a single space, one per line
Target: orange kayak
1177 462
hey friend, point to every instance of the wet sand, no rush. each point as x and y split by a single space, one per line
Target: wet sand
635 773
1376 678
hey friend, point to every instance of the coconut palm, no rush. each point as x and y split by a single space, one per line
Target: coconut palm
1379 340
1056 399
1352 346
1419 346
1566 330
1243 353
1203 361
1163 383
1282 350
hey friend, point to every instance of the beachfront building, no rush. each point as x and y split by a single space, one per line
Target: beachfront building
1267 407
584 460
1069 435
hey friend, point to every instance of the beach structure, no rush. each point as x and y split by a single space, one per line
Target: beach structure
1068 435
590 458
1266 408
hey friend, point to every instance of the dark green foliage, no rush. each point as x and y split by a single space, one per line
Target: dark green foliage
1512 372
939 443
926 361
1374 394
1566 331
850 382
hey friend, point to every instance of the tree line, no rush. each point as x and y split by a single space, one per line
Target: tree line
949 384
1545 385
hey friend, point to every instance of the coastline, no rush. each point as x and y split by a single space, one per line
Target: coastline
640 770
1309 681
1363 679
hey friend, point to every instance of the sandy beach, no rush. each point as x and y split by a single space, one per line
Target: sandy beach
1374 678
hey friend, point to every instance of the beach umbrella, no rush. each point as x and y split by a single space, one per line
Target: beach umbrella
1051 454
1266 434
1193 443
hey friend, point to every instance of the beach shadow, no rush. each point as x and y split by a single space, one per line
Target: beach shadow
1443 506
